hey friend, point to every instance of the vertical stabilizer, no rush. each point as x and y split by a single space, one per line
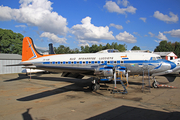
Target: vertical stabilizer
29 52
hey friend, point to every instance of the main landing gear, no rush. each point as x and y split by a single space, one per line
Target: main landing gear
95 85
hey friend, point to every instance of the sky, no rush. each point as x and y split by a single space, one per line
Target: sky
75 23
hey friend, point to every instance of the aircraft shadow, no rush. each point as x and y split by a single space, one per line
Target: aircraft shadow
78 85
133 113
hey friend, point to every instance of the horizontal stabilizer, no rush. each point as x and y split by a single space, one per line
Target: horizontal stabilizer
21 64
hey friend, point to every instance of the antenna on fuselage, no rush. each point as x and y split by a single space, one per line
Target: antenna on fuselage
51 49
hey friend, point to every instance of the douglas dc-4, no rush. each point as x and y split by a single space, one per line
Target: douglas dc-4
99 66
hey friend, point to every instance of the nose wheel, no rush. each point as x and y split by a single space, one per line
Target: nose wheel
155 84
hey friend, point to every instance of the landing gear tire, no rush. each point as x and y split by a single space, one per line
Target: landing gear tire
155 84
95 87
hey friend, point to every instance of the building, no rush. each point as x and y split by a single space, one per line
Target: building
8 59
167 55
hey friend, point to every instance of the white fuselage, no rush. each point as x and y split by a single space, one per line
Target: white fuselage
102 57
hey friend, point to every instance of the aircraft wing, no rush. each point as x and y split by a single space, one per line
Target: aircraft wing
80 70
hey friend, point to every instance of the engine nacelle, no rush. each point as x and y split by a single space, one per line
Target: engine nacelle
104 72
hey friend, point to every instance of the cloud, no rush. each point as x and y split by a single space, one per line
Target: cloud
145 35
128 21
126 37
152 35
86 43
158 41
119 27
161 36
89 32
41 48
83 43
136 33
113 7
52 37
172 18
143 19
23 26
123 2
36 13
174 33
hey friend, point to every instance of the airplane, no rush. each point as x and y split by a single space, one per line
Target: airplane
99 66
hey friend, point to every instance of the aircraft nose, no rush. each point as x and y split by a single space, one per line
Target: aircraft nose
173 65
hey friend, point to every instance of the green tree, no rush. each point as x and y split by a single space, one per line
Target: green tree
96 48
136 48
108 46
177 48
122 48
165 46
10 42
85 49
93 49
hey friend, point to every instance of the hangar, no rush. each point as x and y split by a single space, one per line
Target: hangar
167 55
8 59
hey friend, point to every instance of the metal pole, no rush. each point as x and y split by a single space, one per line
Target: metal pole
115 79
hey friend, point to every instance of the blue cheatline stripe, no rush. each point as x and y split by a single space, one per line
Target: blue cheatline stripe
140 62
111 62
46 62
134 61
125 58
158 66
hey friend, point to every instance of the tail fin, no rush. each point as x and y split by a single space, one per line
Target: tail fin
29 52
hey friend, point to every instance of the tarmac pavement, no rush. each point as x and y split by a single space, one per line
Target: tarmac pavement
51 97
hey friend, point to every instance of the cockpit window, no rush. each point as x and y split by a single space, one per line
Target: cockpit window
153 58
112 50
158 58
